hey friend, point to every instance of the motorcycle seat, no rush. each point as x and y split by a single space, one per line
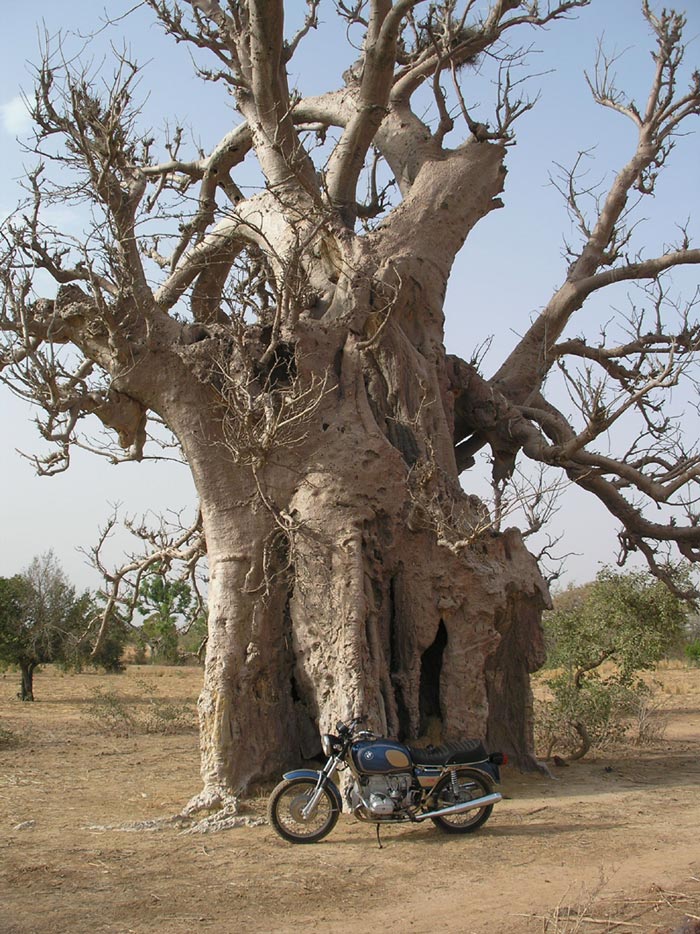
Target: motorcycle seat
466 751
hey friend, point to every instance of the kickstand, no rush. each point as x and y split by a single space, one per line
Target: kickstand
379 842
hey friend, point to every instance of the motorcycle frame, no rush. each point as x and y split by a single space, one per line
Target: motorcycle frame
324 779
412 815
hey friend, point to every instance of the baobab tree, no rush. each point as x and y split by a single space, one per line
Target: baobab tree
292 340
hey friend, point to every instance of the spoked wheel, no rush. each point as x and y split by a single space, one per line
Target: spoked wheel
469 785
285 811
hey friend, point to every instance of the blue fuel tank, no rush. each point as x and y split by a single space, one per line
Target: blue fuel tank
380 756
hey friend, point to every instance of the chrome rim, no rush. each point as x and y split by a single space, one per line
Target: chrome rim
290 806
468 791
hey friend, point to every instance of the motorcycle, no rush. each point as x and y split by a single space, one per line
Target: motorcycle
451 785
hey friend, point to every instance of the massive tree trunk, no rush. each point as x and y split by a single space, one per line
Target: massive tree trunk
351 605
350 573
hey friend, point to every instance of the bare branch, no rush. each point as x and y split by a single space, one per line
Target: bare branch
310 22
169 544
370 106
604 237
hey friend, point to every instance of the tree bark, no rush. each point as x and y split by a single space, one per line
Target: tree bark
350 573
26 691
521 651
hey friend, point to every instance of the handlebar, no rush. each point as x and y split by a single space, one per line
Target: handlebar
343 729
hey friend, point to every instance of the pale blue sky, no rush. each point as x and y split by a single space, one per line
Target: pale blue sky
505 273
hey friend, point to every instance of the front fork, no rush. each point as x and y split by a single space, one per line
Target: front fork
324 776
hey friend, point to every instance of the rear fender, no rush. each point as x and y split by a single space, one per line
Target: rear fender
313 775
492 770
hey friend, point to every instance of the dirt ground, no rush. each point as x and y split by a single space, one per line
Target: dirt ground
612 845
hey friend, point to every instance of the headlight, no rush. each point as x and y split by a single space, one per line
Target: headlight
327 744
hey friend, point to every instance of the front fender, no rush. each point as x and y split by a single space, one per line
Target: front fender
314 775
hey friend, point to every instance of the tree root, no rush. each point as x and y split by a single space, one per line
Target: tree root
221 809
212 798
528 762
141 826
221 812
222 820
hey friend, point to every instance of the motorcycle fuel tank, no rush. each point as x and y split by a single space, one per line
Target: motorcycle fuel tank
380 756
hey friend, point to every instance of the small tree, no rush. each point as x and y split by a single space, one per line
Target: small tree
41 619
106 652
164 603
14 598
692 652
626 620
193 641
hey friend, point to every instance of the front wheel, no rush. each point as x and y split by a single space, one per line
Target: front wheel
285 811
467 786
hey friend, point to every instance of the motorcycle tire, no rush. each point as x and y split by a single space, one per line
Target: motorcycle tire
285 806
472 784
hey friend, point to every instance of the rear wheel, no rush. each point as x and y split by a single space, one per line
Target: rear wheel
466 786
285 811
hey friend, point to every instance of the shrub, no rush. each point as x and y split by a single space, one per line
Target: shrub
167 718
109 714
624 622
650 720
596 714
162 716
7 739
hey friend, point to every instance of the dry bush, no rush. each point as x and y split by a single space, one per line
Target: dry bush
168 718
110 714
651 720
8 739
574 917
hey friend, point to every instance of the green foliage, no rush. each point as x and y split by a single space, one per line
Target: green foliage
164 604
623 621
42 619
14 601
692 652
626 618
192 642
595 714
110 655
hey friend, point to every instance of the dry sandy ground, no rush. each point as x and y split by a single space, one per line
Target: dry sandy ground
612 845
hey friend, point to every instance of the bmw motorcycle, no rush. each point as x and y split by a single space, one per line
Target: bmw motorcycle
451 785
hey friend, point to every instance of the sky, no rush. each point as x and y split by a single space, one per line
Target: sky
506 272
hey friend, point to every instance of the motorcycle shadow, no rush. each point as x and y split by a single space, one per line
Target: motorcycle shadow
503 830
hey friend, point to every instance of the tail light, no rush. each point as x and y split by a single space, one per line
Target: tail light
498 758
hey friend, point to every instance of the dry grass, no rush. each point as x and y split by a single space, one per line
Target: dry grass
535 867
591 910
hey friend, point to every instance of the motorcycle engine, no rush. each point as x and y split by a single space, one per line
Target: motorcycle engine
382 795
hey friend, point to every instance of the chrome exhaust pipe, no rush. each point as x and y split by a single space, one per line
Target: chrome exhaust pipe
464 806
